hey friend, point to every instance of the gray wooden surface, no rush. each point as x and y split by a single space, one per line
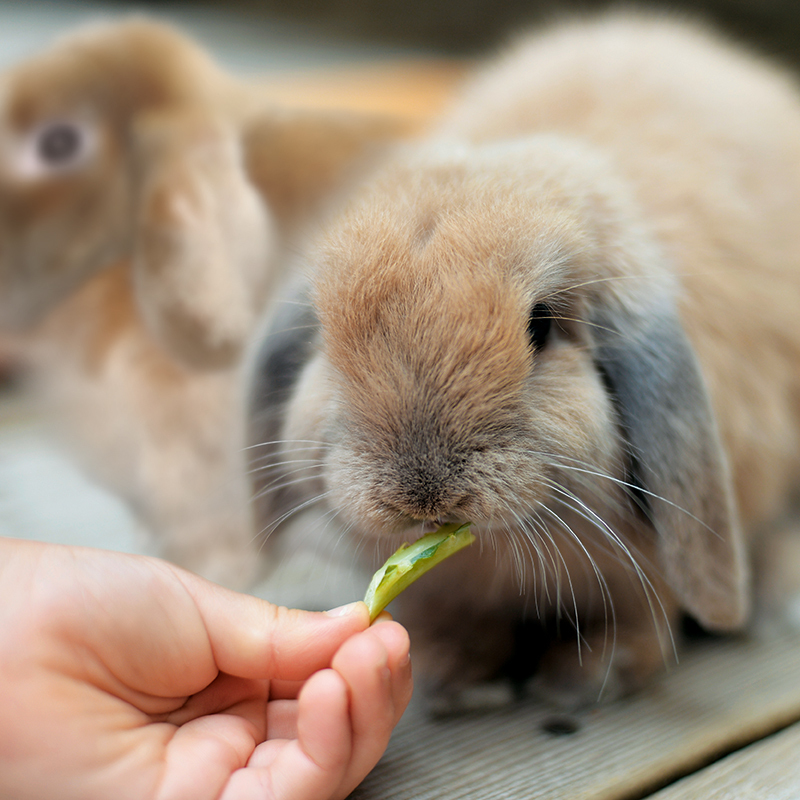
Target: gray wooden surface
724 695
769 769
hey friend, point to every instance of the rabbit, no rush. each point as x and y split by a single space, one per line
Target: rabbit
569 316
146 198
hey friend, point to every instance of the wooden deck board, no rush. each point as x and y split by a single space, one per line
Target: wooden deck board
768 770
724 695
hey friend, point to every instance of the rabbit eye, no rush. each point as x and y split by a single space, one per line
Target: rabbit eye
59 144
539 324
51 149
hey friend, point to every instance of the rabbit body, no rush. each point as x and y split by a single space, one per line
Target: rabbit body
570 317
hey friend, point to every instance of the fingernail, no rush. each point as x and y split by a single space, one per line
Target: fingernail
343 611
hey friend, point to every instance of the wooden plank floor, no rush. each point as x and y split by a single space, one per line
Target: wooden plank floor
725 695
769 769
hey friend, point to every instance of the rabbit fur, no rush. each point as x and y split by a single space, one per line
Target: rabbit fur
146 198
569 316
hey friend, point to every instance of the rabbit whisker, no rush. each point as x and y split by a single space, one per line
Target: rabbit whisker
267 531
279 464
278 442
639 489
651 595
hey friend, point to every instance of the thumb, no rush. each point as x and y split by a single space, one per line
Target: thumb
251 638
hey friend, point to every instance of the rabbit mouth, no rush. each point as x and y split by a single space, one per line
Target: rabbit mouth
432 525
407 530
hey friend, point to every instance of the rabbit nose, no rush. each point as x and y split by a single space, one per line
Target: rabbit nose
432 503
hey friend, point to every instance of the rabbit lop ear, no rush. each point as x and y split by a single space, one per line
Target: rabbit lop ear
677 463
203 241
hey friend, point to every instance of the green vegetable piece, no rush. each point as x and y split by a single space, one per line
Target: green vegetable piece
410 561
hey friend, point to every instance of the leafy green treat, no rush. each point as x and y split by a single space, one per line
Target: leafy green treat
404 566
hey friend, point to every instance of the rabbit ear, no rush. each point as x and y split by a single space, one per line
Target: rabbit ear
300 157
275 370
677 463
203 239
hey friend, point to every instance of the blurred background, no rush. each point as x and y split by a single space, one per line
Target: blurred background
470 26
307 32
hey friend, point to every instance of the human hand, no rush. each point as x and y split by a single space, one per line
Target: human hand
125 677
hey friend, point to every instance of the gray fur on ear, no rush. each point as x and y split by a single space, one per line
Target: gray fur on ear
204 239
677 461
277 366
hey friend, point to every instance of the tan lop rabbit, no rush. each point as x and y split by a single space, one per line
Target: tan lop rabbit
146 197
571 317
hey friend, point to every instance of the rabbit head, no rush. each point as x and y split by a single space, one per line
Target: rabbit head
493 337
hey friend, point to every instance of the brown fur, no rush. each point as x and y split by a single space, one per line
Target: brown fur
135 278
642 180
